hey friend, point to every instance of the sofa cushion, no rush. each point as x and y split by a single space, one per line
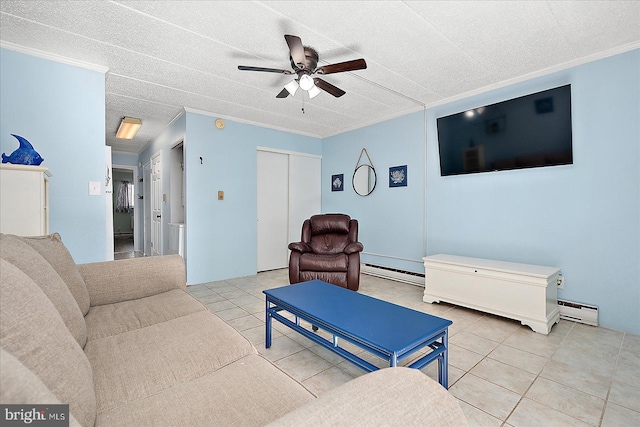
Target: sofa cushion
248 392
19 386
376 399
56 253
140 363
32 330
112 319
110 282
14 250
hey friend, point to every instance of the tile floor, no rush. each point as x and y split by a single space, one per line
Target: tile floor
123 247
503 373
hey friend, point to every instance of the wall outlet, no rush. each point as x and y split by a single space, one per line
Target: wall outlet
560 281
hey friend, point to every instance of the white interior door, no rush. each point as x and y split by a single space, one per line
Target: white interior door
304 192
273 188
156 205
146 196
108 195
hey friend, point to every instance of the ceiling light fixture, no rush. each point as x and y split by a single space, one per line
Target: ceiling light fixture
291 87
128 128
306 82
314 91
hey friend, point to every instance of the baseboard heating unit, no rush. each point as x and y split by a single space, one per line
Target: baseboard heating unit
393 274
577 312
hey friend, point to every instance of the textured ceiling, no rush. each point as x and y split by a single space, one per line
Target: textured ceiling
163 56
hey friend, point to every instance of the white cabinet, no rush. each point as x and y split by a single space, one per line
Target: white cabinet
24 200
524 292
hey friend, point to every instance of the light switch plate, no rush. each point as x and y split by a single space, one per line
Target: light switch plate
94 188
220 195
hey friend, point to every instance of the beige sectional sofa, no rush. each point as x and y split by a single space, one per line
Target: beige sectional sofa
124 344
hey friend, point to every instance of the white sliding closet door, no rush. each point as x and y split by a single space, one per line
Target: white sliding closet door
288 193
273 210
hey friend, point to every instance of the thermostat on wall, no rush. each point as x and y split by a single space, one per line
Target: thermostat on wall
220 123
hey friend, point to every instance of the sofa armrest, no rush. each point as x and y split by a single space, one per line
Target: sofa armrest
109 282
389 397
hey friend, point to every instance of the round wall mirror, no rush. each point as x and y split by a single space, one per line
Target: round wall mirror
364 180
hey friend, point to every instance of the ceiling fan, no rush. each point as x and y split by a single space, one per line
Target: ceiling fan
304 62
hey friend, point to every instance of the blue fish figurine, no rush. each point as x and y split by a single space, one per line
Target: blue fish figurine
24 155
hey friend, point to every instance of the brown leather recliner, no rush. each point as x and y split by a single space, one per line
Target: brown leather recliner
329 251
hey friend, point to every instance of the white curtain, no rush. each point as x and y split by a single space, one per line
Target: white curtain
124 203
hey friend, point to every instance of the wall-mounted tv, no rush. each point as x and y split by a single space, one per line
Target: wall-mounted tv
526 132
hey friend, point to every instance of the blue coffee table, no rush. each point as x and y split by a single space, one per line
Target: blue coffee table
387 330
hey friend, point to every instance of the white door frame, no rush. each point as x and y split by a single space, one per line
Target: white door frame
156 205
136 205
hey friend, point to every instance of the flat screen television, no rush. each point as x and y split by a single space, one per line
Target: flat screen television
526 132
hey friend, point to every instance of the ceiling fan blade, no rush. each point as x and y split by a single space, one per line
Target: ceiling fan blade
296 49
341 67
267 70
329 88
283 94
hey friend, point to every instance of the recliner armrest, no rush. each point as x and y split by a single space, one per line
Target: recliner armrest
300 247
353 247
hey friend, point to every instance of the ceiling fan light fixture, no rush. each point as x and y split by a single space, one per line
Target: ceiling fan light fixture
306 82
314 91
128 128
291 87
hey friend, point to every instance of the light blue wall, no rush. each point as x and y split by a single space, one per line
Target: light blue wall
124 159
583 218
391 220
221 235
60 109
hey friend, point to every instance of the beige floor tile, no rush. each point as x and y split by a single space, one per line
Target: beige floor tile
326 354
233 293
506 376
232 313
431 370
350 369
200 292
220 305
529 413
326 380
625 395
520 359
245 322
478 418
211 298
462 358
486 396
627 374
617 416
574 403
473 342
529 341
281 347
577 378
493 328
631 343
303 365
630 358
257 308
598 361
300 339
246 299
257 335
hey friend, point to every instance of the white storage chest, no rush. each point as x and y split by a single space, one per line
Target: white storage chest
523 292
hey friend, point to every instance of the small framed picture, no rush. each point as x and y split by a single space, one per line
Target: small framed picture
494 125
398 176
337 182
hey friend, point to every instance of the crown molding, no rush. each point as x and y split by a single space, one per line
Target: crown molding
53 57
249 122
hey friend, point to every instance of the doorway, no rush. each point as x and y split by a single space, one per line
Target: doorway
124 212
